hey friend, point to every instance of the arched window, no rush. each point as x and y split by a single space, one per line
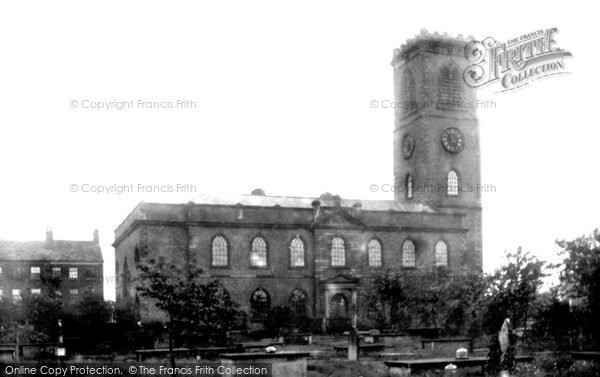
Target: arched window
409 93
452 183
441 253
136 254
219 252
374 253
298 302
125 278
408 254
258 254
409 186
260 302
338 252
297 253
449 86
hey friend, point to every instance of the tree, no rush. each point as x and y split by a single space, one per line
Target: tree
87 319
433 298
190 306
512 289
580 277
43 312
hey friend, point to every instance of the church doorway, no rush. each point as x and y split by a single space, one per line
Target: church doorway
339 313
338 306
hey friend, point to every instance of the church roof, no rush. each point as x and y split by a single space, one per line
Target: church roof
306 202
56 250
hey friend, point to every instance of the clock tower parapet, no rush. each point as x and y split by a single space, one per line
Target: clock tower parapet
427 69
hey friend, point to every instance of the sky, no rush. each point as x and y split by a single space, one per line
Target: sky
281 93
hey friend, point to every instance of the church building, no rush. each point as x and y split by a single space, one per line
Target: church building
317 254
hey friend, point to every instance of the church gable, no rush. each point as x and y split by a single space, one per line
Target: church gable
339 219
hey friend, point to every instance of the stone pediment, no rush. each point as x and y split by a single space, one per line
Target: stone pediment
342 279
338 220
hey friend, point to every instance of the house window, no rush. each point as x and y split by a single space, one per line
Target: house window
408 254
35 273
449 87
1 272
297 252
338 252
258 254
441 253
73 273
16 295
219 252
56 272
374 253
298 302
452 183
260 302
36 291
409 186
74 292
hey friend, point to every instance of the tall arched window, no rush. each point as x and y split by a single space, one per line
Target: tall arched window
136 254
219 252
374 253
260 302
298 302
452 183
409 186
297 253
449 86
409 93
441 253
408 254
125 278
338 252
258 254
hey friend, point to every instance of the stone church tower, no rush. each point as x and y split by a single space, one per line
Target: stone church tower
436 132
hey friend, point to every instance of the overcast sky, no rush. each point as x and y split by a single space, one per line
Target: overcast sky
282 93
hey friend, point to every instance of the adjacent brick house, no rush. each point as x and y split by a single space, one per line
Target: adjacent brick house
73 267
316 254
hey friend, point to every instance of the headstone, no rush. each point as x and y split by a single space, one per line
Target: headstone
462 353
353 344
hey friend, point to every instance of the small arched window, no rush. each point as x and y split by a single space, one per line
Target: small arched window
374 253
338 252
409 186
449 86
297 252
409 93
219 252
441 253
408 254
258 253
452 183
298 302
260 302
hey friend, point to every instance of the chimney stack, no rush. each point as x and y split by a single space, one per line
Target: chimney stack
96 236
316 209
49 235
356 209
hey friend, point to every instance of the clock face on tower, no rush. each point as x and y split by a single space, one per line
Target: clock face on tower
408 146
453 140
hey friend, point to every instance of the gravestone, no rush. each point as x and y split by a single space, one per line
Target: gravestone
353 343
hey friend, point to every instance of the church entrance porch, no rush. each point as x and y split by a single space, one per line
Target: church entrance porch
340 304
